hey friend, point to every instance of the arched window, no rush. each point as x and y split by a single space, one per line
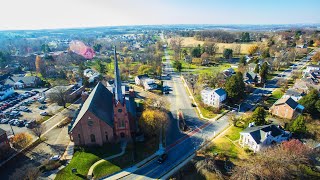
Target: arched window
93 138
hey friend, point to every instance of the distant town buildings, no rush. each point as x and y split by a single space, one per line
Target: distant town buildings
213 97
80 48
258 137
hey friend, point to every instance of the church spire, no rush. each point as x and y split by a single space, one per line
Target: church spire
117 79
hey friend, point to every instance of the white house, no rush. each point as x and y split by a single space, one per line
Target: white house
139 79
311 68
91 74
6 91
259 137
213 97
149 84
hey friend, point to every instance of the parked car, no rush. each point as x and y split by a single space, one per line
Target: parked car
55 158
30 124
162 158
4 121
42 107
11 121
44 113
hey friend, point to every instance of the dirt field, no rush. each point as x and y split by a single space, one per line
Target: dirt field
191 42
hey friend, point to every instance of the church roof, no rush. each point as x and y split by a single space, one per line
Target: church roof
100 103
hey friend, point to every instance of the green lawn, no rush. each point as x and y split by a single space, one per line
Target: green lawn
223 145
84 158
105 168
277 94
218 68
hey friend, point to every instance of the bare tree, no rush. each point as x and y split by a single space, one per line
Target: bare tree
27 172
208 165
38 130
59 95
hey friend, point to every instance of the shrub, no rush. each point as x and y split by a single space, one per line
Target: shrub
21 140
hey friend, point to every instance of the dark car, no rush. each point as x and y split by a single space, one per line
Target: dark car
162 158
193 105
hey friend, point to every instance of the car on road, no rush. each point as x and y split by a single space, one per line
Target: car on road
162 158
193 105
44 113
55 158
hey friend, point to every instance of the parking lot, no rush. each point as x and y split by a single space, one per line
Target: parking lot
20 111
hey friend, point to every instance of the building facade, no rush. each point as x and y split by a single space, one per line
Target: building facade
213 97
286 108
259 137
107 114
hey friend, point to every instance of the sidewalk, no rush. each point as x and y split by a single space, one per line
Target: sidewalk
123 150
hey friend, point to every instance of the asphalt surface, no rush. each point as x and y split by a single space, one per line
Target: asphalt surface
179 145
56 142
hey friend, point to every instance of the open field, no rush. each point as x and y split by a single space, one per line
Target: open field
191 42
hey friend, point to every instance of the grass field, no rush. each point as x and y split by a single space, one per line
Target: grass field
277 94
191 42
105 168
223 144
84 158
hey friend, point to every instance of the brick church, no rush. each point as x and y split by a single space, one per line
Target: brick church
108 114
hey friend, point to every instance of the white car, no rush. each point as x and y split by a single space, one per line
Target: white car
44 114
55 158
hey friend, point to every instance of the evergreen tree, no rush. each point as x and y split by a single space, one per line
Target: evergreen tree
309 101
259 116
235 87
227 53
242 60
298 125
256 69
264 72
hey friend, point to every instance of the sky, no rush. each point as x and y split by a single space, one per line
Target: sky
50 14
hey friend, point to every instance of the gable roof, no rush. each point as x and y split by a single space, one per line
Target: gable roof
259 133
100 103
289 101
25 79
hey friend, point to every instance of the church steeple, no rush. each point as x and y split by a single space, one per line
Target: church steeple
117 79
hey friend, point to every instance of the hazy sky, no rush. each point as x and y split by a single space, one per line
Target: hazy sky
37 14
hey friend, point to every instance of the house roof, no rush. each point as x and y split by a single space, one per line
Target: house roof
143 76
2 131
100 103
289 101
293 92
25 79
259 133
220 91
251 75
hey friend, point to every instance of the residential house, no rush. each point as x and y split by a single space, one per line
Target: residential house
287 108
258 137
145 81
5 91
251 67
71 92
91 74
213 97
295 94
311 68
301 46
21 82
251 78
139 79
107 115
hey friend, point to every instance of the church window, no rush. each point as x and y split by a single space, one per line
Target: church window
90 123
93 138
119 110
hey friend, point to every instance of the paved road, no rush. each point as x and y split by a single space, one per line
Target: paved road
57 140
271 85
179 145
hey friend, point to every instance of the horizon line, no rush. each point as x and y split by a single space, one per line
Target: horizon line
109 26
